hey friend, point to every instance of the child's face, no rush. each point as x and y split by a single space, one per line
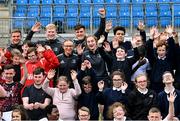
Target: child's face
51 34
63 86
16 60
120 53
87 88
118 112
161 51
120 35
8 75
16 116
154 116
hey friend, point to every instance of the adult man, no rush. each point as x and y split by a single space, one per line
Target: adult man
34 98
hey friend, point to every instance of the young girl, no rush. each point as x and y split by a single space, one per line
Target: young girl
63 96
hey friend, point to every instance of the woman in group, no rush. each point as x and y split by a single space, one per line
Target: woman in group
117 93
141 99
63 96
117 112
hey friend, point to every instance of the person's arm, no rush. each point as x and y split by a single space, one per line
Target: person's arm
26 104
43 105
101 28
3 92
25 73
77 89
171 99
45 86
35 28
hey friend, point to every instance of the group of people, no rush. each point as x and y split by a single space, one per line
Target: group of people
91 77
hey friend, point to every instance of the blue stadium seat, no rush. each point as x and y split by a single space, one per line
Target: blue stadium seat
47 2
45 11
125 22
71 22
85 21
18 23
59 1
31 22
96 22
137 1
177 21
85 1
151 10
73 1
21 2
18 14
33 11
137 11
151 21
176 1
124 1
98 1
150 1
85 10
114 20
124 11
34 1
164 21
72 11
164 1
59 11
176 10
45 21
111 1
21 9
111 11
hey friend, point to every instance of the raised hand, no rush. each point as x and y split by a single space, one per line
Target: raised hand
40 48
73 75
107 47
102 11
88 64
169 29
115 42
101 85
141 26
124 86
51 74
48 47
101 39
80 49
171 97
83 66
36 27
108 26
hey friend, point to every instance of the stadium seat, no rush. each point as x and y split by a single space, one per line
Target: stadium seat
18 23
59 11
151 10
59 1
21 2
85 10
45 21
137 11
164 1
137 1
85 21
151 21
150 1
164 21
124 1
176 1
96 22
177 21
124 11
72 11
31 22
73 1
125 22
45 11
47 2
111 11
136 20
176 10
34 1
71 22
21 9
33 11
111 1
98 1
114 20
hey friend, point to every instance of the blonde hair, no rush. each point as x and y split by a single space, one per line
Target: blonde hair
112 107
51 26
